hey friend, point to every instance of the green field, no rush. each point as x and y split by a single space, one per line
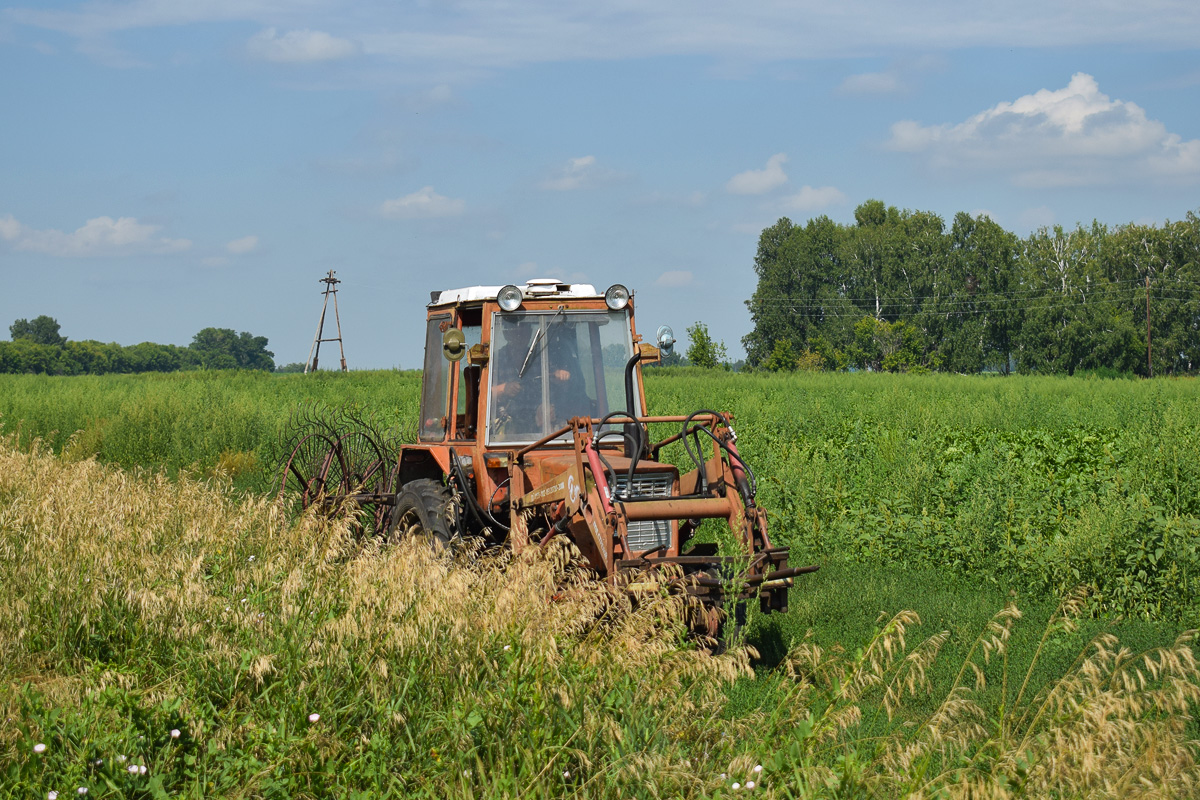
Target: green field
948 496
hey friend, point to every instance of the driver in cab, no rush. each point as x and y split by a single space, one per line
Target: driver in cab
517 401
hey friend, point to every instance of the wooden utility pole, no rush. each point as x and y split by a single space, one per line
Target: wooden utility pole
314 352
1149 362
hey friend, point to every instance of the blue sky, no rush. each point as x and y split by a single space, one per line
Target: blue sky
168 166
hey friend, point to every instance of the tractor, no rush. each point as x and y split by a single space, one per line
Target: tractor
533 425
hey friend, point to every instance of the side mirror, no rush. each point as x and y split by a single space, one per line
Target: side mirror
454 344
665 339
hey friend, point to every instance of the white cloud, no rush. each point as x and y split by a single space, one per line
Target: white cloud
811 198
440 94
102 236
578 173
871 83
469 36
246 244
674 278
10 229
301 46
898 78
760 181
424 203
1074 136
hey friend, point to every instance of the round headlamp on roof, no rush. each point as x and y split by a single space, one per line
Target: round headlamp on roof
510 298
616 297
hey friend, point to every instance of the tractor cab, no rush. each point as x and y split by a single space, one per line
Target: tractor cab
510 365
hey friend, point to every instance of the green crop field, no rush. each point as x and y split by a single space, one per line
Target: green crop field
161 612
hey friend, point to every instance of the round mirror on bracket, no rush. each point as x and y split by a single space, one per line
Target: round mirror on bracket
665 339
454 344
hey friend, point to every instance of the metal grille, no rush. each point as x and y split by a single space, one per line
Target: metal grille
647 534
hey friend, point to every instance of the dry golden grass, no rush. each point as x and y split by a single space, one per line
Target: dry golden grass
134 604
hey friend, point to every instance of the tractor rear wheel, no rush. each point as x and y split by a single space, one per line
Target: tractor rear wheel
425 508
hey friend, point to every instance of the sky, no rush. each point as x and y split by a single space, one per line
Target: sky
168 166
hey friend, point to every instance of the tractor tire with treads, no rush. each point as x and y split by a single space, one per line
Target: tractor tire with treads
425 508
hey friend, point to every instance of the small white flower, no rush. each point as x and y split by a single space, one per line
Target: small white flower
226 608
97 762
131 769
749 784
243 599
121 759
466 773
52 796
174 733
261 614
142 769
507 647
736 786
313 717
566 774
722 776
141 737
82 790
758 768
251 558
40 747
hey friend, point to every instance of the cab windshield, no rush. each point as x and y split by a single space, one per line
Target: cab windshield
549 366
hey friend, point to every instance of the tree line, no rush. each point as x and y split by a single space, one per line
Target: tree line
898 291
37 346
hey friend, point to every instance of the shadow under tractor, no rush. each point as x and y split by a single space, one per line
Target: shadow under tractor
533 425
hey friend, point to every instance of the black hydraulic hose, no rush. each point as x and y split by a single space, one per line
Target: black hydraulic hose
464 487
751 489
633 433
699 462
610 474
472 503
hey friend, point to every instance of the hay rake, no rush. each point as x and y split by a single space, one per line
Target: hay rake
338 458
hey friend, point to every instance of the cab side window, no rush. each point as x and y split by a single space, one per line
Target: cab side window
435 391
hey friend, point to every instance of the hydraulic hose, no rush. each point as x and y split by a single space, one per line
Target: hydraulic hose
477 511
748 491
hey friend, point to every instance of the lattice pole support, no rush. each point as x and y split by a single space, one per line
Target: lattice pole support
314 352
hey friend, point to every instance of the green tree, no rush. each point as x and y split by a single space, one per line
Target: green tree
801 284
783 358
42 330
222 348
702 350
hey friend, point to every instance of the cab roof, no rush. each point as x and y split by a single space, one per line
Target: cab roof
533 289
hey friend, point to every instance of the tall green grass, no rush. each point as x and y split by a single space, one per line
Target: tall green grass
1036 484
1033 484
196 421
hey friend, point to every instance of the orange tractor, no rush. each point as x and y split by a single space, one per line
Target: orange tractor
533 425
